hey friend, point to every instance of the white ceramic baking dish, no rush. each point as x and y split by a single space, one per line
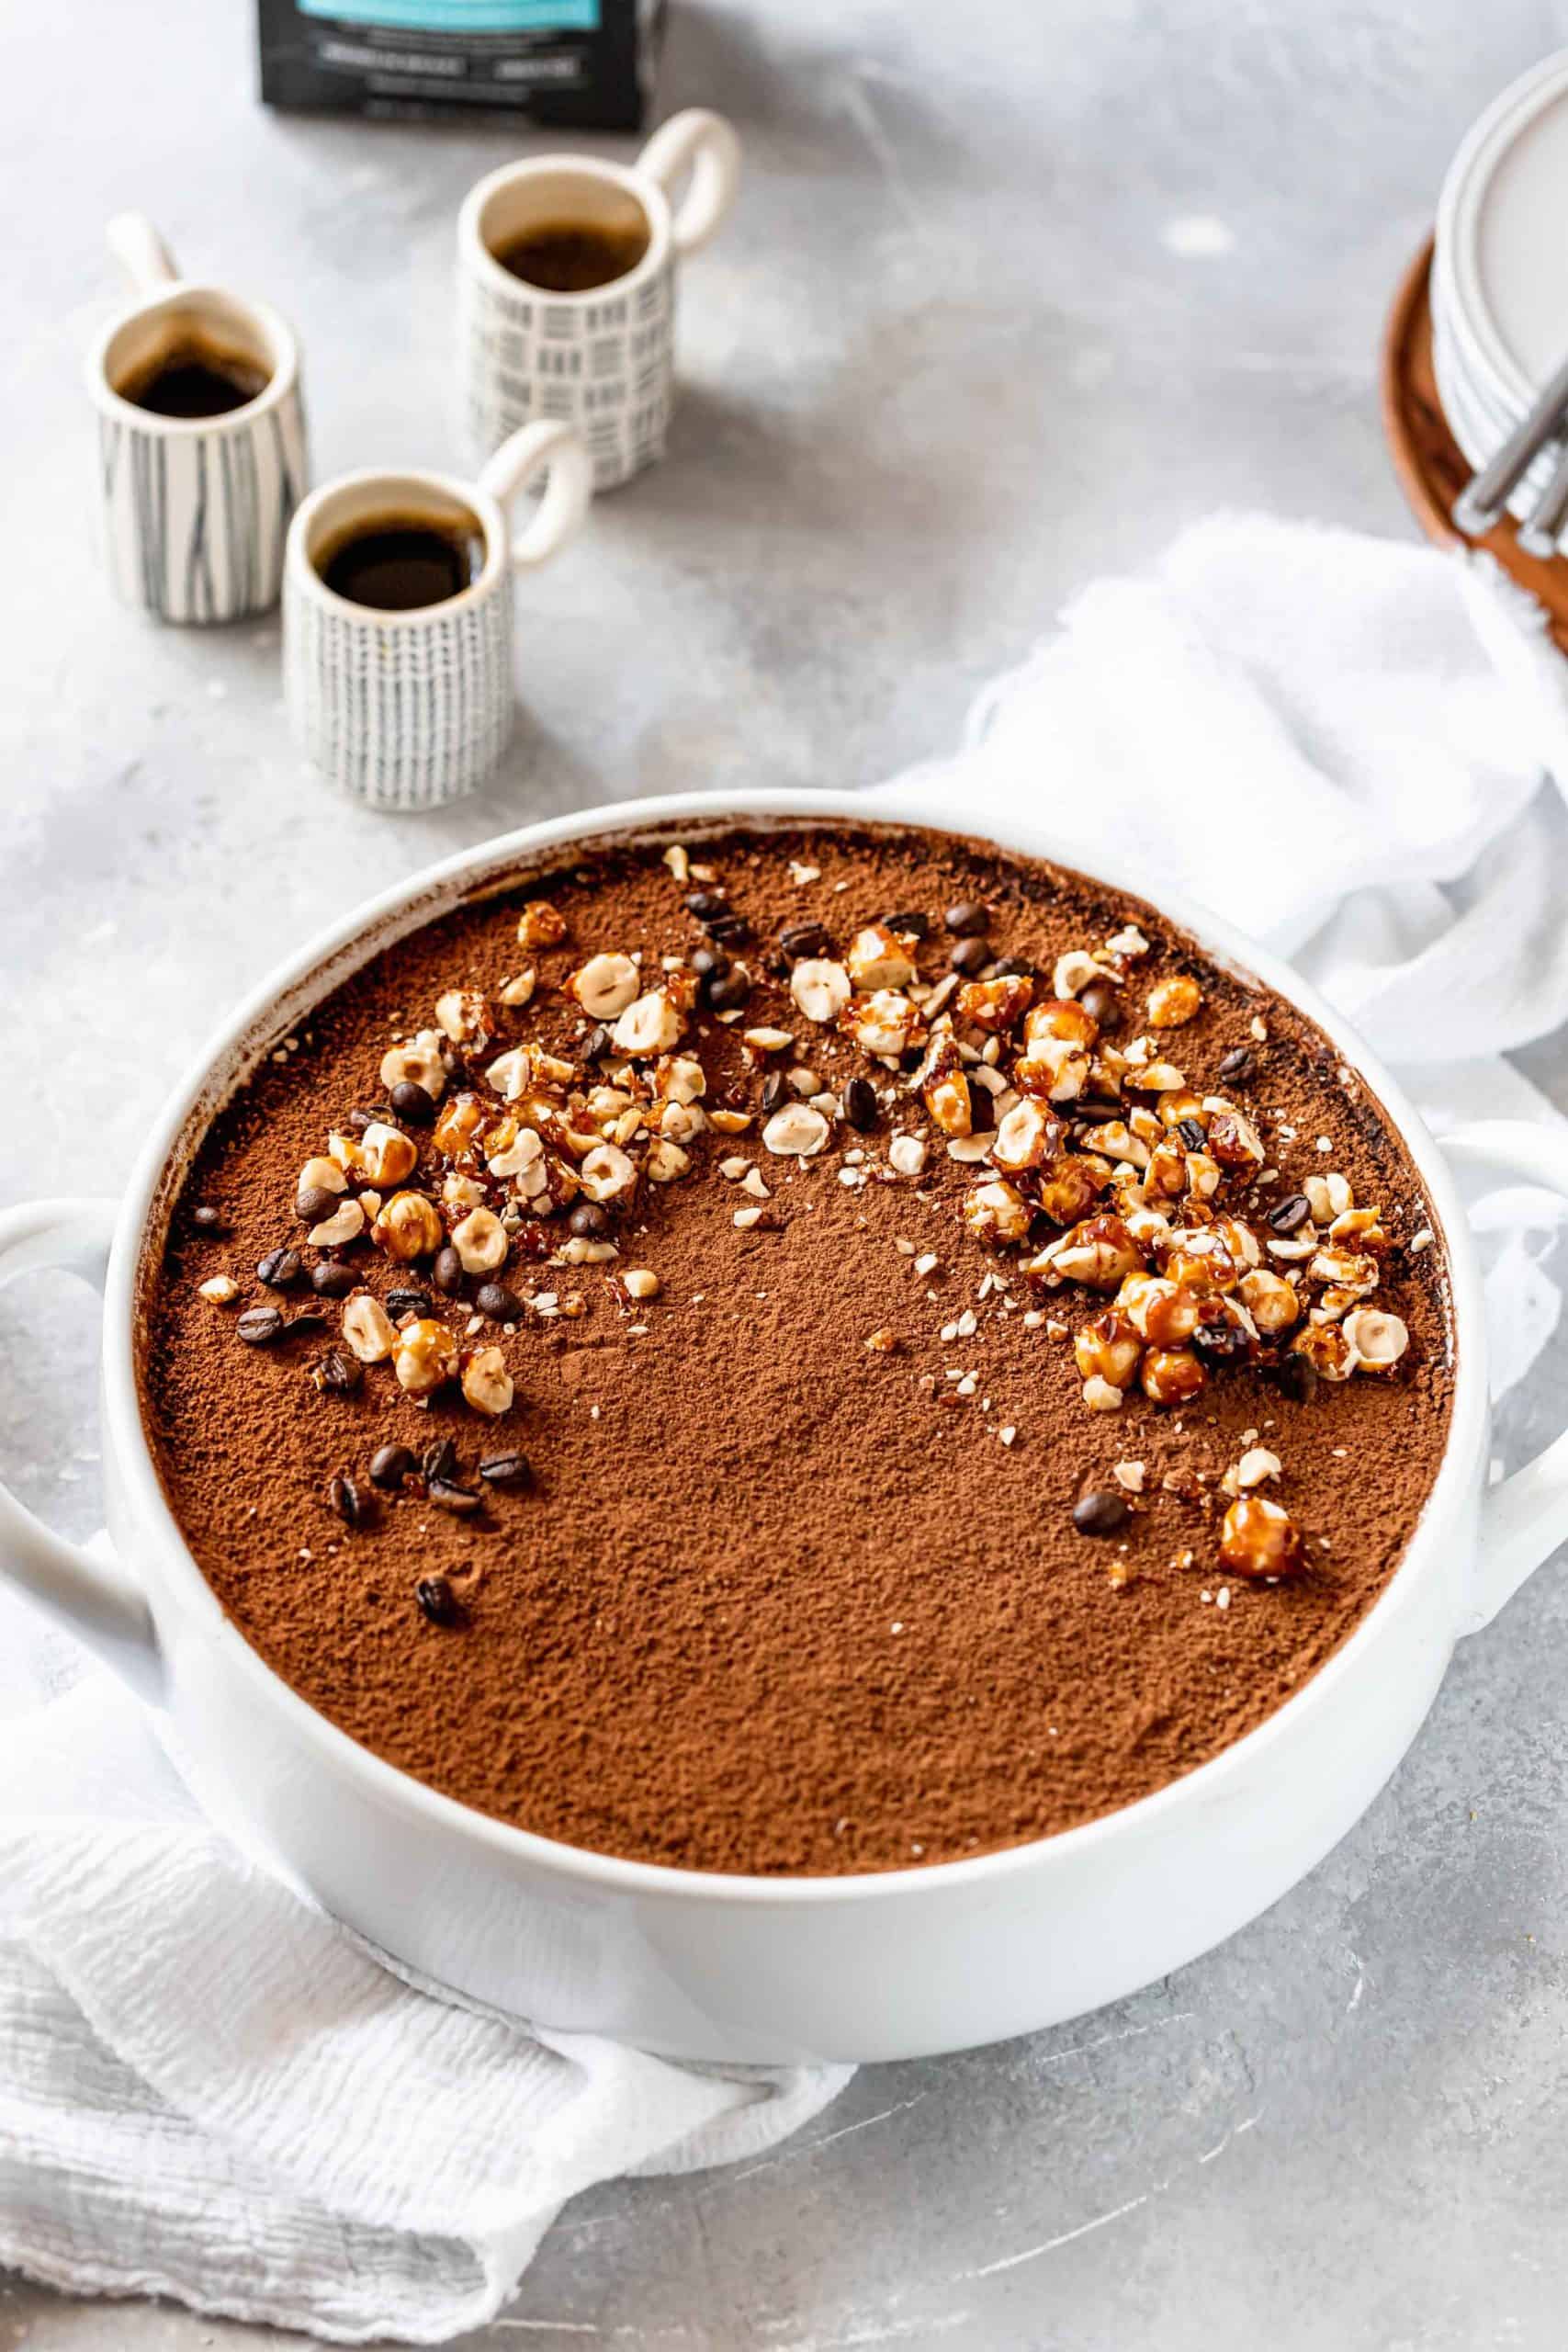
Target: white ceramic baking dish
710 1966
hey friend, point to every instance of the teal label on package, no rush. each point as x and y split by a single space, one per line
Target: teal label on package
461 16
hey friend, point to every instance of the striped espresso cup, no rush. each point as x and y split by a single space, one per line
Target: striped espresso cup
194 508
406 709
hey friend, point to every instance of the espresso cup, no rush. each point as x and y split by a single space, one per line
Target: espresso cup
195 508
409 708
602 360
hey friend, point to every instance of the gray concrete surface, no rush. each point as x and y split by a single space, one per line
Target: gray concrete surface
1014 291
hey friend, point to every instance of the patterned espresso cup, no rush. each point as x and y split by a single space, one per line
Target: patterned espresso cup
407 709
602 360
195 505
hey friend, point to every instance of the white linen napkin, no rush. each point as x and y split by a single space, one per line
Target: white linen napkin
208 2090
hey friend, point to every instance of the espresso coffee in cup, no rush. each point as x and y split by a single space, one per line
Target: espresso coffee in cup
402 562
573 256
193 378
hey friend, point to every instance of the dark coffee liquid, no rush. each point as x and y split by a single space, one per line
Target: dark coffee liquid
395 564
572 256
194 380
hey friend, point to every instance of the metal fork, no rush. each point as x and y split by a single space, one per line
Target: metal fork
1483 500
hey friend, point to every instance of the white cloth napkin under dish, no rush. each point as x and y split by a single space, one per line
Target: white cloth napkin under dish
209 2091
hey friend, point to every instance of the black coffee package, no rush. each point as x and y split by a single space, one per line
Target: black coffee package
587 64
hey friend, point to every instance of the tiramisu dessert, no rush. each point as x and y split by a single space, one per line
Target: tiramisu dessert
803 1351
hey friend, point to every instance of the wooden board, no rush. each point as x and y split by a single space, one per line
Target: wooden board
1431 467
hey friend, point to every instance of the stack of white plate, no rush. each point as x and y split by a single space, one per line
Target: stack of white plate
1499 291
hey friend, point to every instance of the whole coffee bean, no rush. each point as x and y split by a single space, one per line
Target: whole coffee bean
308 1319
971 956
438 1600
1101 1003
704 903
390 1465
507 1470
1192 1134
260 1325
772 1091
725 995
412 1104
802 939
1100 1514
447 1273
280 1269
346 1500
1016 967
1238 1066
598 1041
911 924
589 1221
729 928
208 1219
457 1499
440 1459
360 1120
862 1108
407 1301
1290 1216
332 1279
341 1372
499 1305
314 1202
709 963
968 920
1297 1378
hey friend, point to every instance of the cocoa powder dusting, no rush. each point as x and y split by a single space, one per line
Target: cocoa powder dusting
767 1598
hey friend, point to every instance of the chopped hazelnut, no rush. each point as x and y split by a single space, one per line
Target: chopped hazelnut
997 1213
650 1024
796 1131
820 988
639 1282
1172 1376
408 1228
418 1063
1376 1340
517 991
366 1328
221 1289
540 925
877 959
1258 1539
606 1173
479 1240
605 986
386 1154
346 1224
1173 1001
424 1355
487 1383
463 1013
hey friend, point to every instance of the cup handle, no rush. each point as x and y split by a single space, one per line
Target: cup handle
96 1602
705 144
1525 1517
543 446
141 252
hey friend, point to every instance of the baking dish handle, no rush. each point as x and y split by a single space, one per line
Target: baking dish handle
1525 1517
92 1600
